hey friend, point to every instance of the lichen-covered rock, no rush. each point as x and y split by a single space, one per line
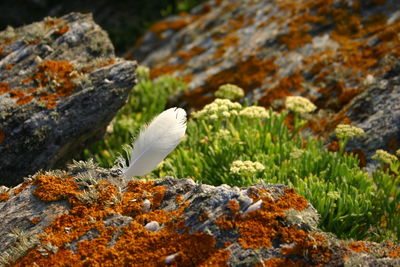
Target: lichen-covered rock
327 51
91 216
60 86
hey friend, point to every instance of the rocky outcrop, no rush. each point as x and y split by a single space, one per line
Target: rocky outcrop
92 216
327 51
60 86
377 111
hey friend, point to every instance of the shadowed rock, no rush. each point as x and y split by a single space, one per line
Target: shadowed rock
60 86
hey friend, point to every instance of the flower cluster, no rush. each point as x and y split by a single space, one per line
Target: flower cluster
229 91
299 104
143 72
246 166
254 112
384 157
296 153
220 108
223 133
347 131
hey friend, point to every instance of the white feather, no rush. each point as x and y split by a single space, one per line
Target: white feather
156 141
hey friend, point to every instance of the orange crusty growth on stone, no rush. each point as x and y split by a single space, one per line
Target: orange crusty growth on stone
345 45
134 245
4 196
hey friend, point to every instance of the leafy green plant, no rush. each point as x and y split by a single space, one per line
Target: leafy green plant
228 143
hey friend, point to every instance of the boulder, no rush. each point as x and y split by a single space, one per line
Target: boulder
327 51
92 216
60 86
377 111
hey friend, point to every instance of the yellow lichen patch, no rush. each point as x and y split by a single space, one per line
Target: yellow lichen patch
51 188
4 196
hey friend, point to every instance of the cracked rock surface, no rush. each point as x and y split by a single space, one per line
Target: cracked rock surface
60 86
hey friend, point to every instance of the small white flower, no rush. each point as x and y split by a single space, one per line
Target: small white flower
347 131
229 91
254 112
299 104
247 166
384 156
219 108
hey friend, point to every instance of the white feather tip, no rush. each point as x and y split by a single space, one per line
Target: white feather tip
156 141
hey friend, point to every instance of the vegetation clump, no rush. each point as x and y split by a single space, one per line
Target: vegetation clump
351 202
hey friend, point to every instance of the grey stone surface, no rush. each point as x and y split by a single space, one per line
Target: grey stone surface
377 111
62 85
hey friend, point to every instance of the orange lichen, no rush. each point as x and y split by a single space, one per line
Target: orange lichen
186 55
62 30
233 206
21 188
395 252
9 66
136 246
161 26
52 22
164 70
261 227
358 246
247 74
286 87
56 71
4 196
51 188
4 88
35 220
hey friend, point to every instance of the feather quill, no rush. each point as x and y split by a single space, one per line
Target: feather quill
156 141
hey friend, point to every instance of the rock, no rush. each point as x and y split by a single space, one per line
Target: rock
92 216
377 111
60 86
325 51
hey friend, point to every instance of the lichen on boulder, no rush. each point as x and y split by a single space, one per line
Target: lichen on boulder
60 86
91 216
